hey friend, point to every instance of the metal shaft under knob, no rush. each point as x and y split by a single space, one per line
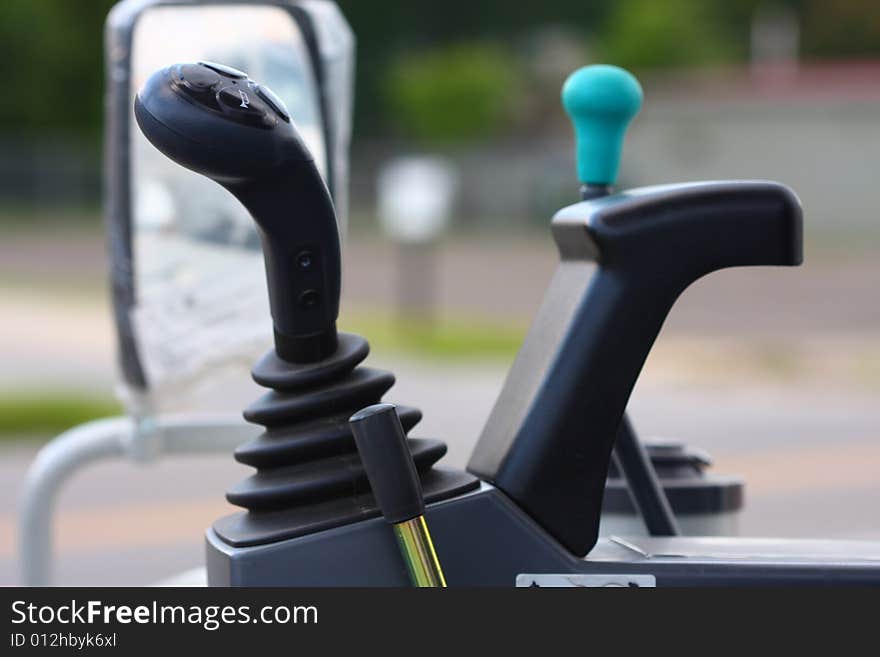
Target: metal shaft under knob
382 445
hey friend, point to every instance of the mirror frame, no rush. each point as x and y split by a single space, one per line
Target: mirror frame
118 36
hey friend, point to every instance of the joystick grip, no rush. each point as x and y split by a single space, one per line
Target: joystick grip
601 101
214 120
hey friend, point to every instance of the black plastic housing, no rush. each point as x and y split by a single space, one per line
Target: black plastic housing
625 259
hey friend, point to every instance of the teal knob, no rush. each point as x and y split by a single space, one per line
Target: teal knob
601 101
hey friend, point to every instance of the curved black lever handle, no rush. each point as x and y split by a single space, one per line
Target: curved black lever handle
300 239
681 232
548 440
216 121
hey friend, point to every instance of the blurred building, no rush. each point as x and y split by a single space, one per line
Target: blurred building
815 127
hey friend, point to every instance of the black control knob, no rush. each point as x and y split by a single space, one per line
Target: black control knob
381 442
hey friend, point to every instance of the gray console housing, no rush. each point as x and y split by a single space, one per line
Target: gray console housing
484 540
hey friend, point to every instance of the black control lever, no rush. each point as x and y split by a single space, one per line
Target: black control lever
394 480
548 440
601 101
215 121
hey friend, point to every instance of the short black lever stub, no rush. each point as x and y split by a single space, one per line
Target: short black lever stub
382 445
383 449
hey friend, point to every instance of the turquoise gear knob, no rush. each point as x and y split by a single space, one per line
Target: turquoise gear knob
601 101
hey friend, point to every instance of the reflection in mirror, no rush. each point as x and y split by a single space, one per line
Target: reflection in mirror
202 312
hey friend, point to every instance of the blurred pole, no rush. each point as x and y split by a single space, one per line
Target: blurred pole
416 274
89 443
416 195
775 43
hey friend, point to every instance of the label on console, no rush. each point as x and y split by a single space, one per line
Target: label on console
578 580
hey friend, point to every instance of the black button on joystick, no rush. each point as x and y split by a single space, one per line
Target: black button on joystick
309 299
273 101
237 98
225 70
197 78
240 102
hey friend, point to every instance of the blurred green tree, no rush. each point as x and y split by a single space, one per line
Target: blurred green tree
841 28
644 34
385 28
453 93
51 55
51 50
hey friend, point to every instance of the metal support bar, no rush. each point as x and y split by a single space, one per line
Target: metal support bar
647 494
116 437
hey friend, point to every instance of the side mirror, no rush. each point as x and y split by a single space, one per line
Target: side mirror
187 273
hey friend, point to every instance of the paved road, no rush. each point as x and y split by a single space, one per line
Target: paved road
505 276
811 461
777 373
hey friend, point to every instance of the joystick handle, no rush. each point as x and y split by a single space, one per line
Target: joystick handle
601 101
382 445
214 120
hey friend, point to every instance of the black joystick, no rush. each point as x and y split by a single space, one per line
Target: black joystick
214 120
